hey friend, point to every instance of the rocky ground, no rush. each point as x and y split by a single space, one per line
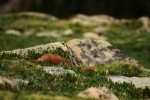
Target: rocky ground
84 57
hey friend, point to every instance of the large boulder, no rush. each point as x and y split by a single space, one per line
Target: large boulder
93 52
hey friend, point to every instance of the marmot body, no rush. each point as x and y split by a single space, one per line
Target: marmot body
53 59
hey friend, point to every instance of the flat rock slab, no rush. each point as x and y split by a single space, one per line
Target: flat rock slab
37 15
54 34
139 82
11 84
38 49
58 71
92 52
93 20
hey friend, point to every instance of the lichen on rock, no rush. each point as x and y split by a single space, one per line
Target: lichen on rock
93 52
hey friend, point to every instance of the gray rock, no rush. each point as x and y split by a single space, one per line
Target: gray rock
12 32
11 84
58 71
139 82
18 33
101 93
67 32
55 34
48 34
38 49
36 14
20 81
93 20
6 83
92 52
145 23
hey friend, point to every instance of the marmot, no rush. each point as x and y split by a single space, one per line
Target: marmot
53 59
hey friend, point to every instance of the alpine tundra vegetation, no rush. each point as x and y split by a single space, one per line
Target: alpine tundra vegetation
45 58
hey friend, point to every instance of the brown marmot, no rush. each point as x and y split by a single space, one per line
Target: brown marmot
53 59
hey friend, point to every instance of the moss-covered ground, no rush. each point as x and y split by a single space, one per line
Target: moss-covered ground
42 86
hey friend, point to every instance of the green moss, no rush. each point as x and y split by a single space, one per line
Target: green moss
69 84
120 68
17 68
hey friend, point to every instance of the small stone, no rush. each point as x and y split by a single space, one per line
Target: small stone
6 83
17 32
13 32
37 14
48 34
145 23
20 81
101 93
58 70
67 32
